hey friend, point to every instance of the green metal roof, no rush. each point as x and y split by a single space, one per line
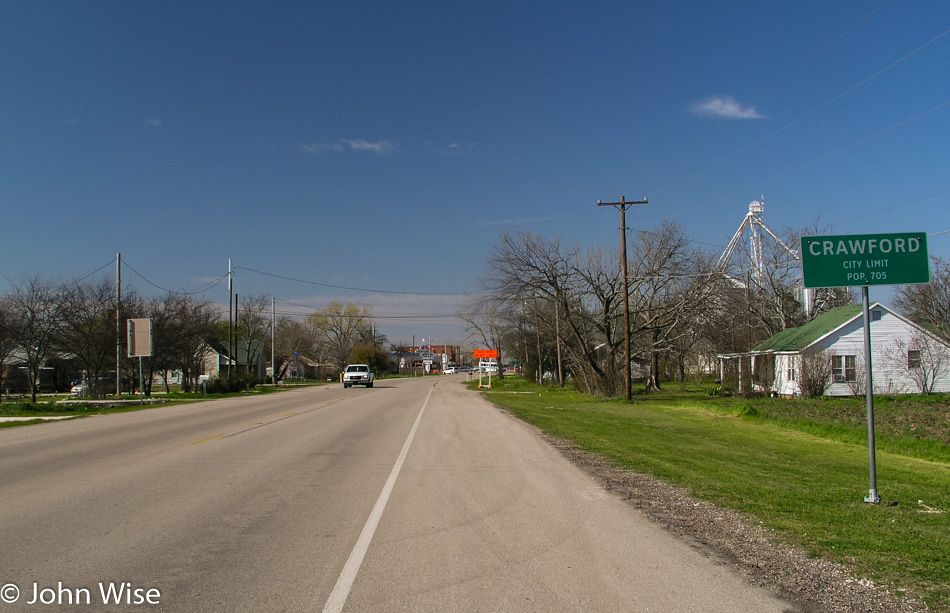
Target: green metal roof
796 339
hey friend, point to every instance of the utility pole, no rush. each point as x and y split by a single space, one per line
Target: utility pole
557 337
622 205
236 328
273 341
230 315
118 325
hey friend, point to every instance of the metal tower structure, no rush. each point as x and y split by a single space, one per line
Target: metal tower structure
753 222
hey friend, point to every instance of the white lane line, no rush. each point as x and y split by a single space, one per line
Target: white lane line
342 588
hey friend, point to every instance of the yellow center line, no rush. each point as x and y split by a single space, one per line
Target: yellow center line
205 440
290 414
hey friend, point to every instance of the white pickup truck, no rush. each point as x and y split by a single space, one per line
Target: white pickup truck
358 374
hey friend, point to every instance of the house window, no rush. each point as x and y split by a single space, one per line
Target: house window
791 374
913 358
876 315
843 368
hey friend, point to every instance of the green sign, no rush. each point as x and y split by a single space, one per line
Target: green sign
865 259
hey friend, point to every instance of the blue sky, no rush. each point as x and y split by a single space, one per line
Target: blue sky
384 146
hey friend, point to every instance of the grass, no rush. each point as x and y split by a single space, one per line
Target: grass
799 466
51 407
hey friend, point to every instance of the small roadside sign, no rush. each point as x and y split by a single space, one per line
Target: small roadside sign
140 337
484 354
865 259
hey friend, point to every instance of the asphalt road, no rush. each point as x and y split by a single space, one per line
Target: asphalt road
416 495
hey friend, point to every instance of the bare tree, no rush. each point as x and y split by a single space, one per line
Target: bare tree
572 302
534 282
41 313
595 321
8 335
776 297
181 327
929 304
486 318
672 286
531 272
164 357
814 373
858 383
192 323
88 331
253 326
924 358
294 337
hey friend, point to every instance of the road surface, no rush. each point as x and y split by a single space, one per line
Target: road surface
415 495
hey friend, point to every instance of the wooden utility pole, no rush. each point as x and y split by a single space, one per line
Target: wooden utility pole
273 341
230 317
622 205
118 325
234 349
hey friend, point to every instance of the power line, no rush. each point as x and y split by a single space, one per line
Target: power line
84 277
808 114
438 317
826 48
353 289
888 208
763 94
834 153
201 290
374 315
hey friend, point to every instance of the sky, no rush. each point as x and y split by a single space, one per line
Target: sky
373 152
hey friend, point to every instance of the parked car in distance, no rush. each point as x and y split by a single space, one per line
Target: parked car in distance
80 389
358 374
449 371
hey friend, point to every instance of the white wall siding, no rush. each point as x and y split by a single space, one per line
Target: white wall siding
783 385
888 362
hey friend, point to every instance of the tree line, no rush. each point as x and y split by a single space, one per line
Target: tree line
558 309
72 326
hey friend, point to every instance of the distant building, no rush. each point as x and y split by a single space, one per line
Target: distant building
217 359
904 355
416 355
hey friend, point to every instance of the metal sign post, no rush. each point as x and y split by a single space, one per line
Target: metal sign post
140 346
863 260
485 353
872 496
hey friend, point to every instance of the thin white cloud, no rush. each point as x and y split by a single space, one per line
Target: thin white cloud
726 107
451 148
381 146
153 122
322 148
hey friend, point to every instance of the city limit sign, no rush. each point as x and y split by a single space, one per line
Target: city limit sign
865 259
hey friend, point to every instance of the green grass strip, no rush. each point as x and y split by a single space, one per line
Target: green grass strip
799 476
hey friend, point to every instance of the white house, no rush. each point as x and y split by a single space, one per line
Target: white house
905 358
216 358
